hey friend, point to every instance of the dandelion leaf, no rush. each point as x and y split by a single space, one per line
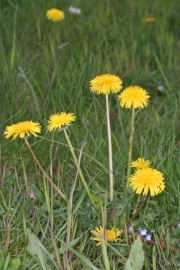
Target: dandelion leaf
136 256
37 251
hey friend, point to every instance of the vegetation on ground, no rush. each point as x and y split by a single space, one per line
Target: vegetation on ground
56 196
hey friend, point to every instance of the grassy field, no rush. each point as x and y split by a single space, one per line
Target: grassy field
46 68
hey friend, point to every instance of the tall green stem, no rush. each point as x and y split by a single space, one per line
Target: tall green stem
78 168
110 150
137 212
130 149
104 236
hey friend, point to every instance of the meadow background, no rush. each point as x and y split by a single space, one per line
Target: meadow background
45 68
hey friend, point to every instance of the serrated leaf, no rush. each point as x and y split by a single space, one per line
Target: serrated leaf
136 256
37 250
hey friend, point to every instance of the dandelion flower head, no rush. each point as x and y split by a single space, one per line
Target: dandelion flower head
55 15
22 129
59 120
134 96
111 235
140 163
106 83
147 179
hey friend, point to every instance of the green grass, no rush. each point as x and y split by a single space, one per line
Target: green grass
45 69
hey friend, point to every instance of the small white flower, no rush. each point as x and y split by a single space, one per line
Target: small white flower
161 88
74 10
148 237
143 232
130 228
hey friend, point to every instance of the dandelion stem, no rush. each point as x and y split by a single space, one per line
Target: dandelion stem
130 148
78 168
104 238
137 212
43 171
110 150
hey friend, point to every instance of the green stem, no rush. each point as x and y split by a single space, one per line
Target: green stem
110 150
137 212
104 236
43 171
130 149
78 168
51 176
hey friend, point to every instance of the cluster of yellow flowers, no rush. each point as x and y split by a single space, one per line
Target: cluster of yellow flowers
131 96
56 122
144 178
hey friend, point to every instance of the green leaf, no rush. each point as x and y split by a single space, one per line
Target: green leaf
1 262
16 262
136 256
37 250
6 263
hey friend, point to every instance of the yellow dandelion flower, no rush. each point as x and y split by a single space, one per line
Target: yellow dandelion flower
149 19
22 129
59 120
55 15
134 95
147 179
106 83
111 235
140 163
